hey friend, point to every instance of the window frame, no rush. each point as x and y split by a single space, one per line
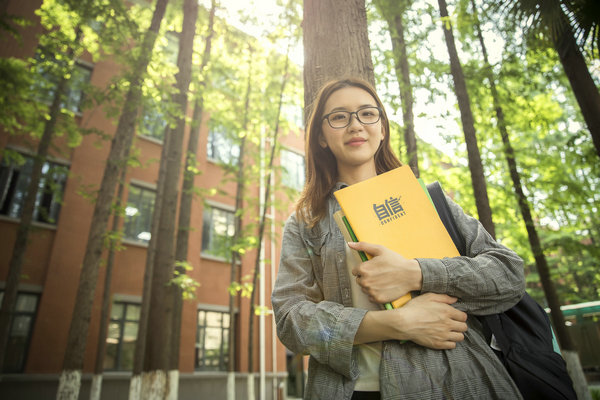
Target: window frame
144 188
299 172
219 138
223 208
31 325
48 82
121 322
11 186
200 364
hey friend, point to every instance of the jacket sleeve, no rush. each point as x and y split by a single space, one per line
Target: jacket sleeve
306 323
489 280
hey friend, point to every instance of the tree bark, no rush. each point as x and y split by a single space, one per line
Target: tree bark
263 217
135 385
475 165
76 343
96 387
235 255
394 16
187 195
584 88
336 44
161 300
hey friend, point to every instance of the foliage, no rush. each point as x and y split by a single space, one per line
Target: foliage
184 281
555 154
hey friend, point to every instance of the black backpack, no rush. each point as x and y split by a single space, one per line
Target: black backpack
523 333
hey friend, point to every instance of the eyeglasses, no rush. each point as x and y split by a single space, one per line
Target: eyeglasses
341 119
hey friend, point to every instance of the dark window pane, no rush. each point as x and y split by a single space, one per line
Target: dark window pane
217 232
14 183
221 146
138 214
20 332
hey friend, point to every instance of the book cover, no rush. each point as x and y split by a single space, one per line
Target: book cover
361 256
393 210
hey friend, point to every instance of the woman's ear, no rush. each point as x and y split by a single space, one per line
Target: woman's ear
322 142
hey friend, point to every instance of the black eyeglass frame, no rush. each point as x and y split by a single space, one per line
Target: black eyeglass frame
326 117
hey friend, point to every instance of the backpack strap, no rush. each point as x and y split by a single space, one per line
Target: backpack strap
443 209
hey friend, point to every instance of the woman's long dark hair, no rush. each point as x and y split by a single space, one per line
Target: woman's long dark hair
321 165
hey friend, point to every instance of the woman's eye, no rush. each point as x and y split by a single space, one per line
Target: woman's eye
367 113
338 117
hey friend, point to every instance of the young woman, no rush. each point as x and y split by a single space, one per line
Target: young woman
329 307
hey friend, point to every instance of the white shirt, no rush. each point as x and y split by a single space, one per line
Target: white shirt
369 354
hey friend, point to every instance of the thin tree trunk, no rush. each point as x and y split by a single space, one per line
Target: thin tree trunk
336 44
20 246
96 387
475 165
534 241
187 195
162 384
584 88
235 255
73 363
263 217
394 16
135 385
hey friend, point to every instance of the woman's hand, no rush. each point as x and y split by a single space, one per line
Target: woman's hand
388 275
428 320
431 321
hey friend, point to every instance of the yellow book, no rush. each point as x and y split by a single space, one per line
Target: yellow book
393 210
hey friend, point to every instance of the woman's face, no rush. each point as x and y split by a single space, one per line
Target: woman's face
353 146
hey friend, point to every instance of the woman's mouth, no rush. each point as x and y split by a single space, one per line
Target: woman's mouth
357 141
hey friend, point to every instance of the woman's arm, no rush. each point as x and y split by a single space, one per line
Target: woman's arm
488 280
306 323
428 320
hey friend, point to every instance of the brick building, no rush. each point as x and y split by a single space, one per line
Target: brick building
57 243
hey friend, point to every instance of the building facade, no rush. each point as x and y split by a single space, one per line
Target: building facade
50 275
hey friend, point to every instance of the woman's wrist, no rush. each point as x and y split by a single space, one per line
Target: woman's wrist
378 326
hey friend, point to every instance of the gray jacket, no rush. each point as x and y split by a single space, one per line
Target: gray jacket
314 314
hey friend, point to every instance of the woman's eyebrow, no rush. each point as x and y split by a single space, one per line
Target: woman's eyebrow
345 109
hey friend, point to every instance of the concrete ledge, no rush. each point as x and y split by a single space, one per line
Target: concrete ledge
115 386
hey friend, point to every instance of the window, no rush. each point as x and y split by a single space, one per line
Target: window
138 214
154 121
49 70
217 232
293 169
171 49
122 335
212 341
20 332
14 183
221 147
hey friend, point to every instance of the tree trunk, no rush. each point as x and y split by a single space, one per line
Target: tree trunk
187 195
20 247
584 87
336 44
394 17
475 166
235 255
534 241
263 217
73 363
161 300
96 388
135 385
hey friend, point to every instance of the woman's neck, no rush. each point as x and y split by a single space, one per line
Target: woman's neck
356 175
